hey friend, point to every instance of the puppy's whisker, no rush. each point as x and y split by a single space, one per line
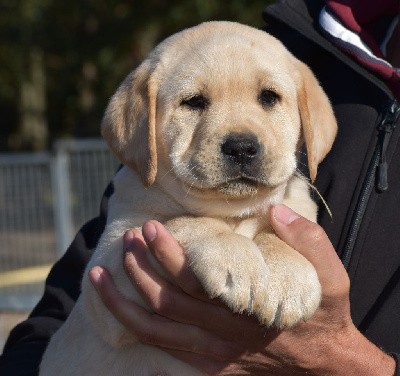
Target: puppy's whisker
302 164
300 174
168 172
188 175
188 190
227 201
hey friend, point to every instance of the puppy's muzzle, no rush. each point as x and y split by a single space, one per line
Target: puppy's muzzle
242 154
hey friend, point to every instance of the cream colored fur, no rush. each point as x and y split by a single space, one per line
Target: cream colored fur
176 173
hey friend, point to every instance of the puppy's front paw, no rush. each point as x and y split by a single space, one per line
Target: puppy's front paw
294 291
294 294
237 274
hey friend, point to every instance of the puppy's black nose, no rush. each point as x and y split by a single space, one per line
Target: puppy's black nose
242 149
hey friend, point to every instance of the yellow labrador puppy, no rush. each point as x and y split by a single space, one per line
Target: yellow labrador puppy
208 127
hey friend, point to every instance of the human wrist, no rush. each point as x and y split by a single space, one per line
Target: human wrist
354 355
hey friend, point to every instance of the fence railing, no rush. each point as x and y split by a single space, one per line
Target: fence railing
44 199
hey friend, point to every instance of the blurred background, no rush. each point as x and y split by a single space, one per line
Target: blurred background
60 61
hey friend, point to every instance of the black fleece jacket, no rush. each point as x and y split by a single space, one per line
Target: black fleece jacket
366 221
365 229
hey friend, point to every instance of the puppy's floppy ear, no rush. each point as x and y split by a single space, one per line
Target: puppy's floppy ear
318 121
129 125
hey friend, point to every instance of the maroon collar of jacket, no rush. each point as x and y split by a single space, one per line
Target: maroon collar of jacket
361 17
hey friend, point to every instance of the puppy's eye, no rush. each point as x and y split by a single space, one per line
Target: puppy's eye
268 98
197 102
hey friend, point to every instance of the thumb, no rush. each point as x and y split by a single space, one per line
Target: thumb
309 239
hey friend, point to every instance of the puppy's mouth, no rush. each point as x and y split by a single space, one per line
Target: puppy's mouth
229 184
232 188
240 186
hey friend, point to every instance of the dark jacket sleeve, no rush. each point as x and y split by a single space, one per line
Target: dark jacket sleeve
27 342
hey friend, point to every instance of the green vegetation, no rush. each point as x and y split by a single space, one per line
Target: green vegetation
61 60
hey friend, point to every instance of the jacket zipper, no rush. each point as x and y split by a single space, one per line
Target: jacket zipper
376 176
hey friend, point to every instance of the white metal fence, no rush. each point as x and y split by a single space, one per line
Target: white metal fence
44 199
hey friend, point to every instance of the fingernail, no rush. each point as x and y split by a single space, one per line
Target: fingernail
284 215
149 231
129 238
96 275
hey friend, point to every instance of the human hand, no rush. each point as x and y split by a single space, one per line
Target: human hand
205 334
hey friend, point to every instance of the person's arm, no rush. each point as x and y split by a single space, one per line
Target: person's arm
27 342
211 338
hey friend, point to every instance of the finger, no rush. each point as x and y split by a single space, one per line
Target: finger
163 297
241 363
139 269
200 362
153 329
172 258
311 241
121 307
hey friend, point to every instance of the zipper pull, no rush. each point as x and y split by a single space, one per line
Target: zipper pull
386 127
381 170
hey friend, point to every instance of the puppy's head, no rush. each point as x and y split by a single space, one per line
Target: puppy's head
222 108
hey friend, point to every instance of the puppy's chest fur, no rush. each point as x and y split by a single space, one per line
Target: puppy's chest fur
248 227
